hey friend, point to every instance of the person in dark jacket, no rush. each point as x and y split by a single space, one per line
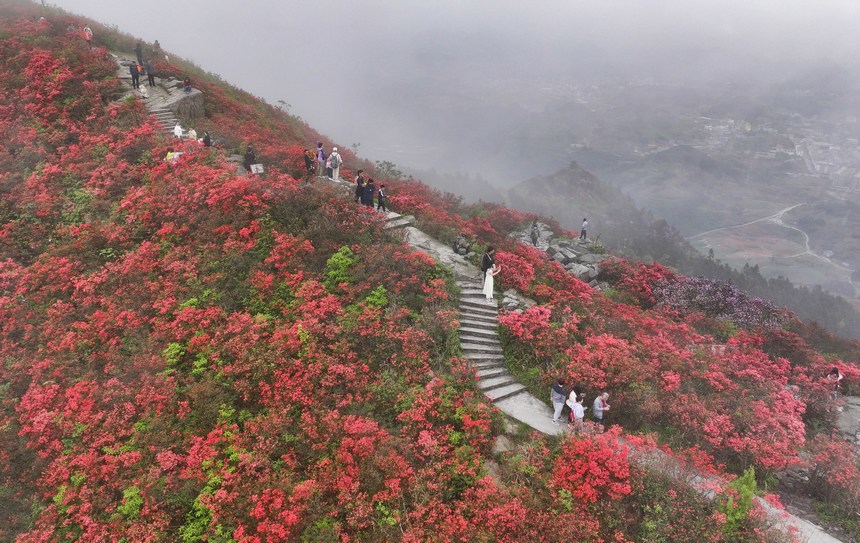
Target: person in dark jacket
359 185
380 199
310 166
207 139
135 76
558 395
250 157
150 73
368 193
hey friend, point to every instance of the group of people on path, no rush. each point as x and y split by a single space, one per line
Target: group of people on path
328 165
574 399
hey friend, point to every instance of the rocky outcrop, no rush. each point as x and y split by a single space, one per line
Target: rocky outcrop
576 256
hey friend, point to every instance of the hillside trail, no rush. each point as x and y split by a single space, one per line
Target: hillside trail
481 345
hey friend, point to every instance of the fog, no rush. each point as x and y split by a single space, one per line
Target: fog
473 85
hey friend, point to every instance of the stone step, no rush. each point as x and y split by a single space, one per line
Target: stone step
488 331
480 340
496 382
505 392
472 289
491 371
479 307
480 321
482 364
481 356
477 348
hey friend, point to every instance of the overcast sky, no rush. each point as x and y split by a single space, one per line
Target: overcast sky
340 63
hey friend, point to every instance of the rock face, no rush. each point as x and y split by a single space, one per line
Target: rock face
574 255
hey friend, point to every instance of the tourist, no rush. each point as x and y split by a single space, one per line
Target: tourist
150 72
336 162
834 380
577 412
310 167
186 85
601 406
250 157
191 134
135 76
207 139
88 35
583 229
535 233
557 395
177 131
368 193
321 158
380 199
359 185
138 52
489 279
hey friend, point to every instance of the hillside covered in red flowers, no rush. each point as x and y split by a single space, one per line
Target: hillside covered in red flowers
189 354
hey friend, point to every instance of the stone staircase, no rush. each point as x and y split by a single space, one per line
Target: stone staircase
479 341
165 118
396 220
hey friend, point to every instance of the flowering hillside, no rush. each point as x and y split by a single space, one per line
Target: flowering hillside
189 354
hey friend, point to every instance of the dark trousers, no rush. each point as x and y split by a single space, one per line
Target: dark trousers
380 204
135 81
151 78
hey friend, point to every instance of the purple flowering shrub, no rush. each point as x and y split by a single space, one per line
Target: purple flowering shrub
719 300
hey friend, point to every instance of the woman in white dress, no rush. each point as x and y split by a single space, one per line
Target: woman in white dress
488 281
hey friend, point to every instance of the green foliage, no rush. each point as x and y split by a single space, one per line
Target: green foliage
132 503
378 297
337 268
736 506
321 531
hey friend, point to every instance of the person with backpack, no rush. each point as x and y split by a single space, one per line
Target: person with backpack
336 162
380 199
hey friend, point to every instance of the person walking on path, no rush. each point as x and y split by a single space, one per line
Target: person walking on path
601 406
557 395
138 52
380 199
321 158
250 157
535 233
583 230
336 162
135 76
150 72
